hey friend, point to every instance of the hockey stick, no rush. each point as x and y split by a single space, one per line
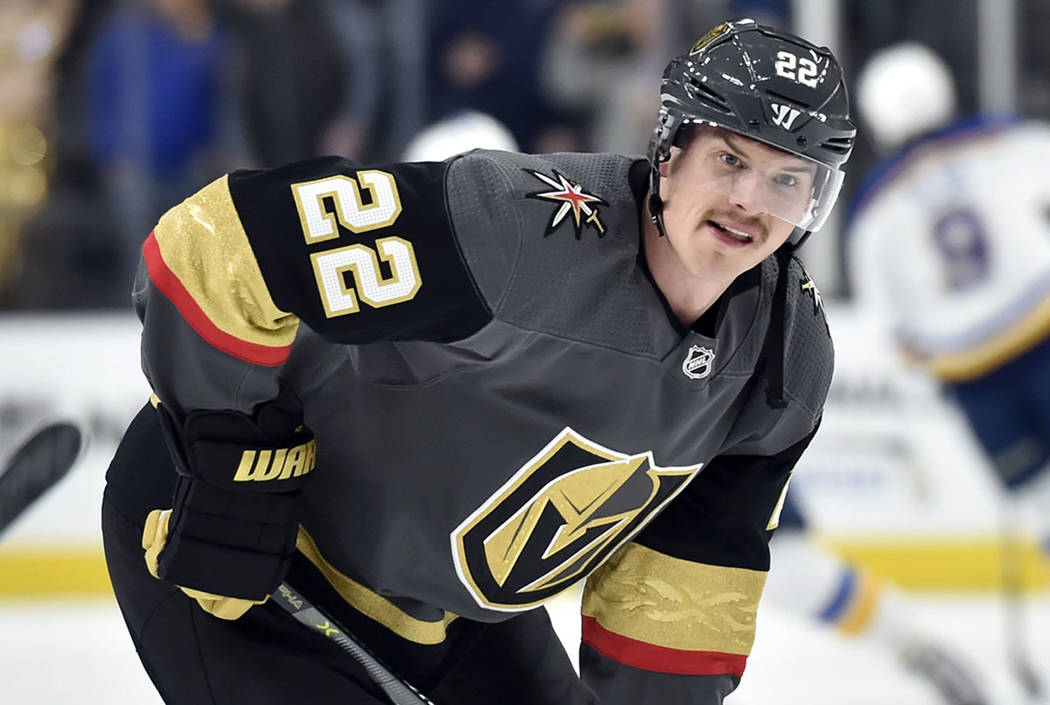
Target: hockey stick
36 466
1018 653
397 689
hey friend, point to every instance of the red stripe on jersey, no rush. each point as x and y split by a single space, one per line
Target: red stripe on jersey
661 659
168 283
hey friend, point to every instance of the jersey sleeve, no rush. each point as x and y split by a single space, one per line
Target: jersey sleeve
878 261
671 617
234 274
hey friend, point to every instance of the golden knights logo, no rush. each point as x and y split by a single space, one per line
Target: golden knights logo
558 518
570 198
706 40
807 285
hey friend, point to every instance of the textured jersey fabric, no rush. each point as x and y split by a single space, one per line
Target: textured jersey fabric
502 403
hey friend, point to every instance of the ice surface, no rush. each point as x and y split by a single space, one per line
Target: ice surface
57 653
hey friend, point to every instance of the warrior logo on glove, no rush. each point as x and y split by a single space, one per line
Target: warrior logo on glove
279 464
562 514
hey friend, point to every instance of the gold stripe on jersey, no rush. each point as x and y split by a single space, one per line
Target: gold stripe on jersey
774 518
659 599
374 605
1016 340
204 245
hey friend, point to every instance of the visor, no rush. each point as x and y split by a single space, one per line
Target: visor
766 179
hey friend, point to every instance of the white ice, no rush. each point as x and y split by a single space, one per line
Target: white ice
61 653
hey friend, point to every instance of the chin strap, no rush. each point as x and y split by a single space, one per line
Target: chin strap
656 204
773 345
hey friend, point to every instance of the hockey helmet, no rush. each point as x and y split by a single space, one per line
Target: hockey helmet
767 85
903 92
459 133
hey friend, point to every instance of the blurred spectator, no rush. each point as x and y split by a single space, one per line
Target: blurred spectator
153 102
484 57
305 77
70 239
603 61
1033 55
950 29
31 35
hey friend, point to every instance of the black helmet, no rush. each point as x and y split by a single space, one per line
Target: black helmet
767 85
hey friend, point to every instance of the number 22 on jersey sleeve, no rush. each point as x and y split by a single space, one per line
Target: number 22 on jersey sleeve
371 284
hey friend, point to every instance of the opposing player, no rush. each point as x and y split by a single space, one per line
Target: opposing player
808 579
950 249
432 395
964 279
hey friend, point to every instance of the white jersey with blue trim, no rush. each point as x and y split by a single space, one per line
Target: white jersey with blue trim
950 246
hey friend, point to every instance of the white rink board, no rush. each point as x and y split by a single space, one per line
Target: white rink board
84 366
891 457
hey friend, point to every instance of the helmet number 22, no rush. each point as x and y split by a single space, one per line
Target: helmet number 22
331 267
796 68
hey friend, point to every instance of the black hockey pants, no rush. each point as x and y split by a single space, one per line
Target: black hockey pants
267 658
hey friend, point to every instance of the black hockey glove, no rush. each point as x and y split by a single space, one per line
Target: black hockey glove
231 532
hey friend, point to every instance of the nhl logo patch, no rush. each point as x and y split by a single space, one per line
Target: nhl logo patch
698 362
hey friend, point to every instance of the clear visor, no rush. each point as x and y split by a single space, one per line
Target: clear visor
764 179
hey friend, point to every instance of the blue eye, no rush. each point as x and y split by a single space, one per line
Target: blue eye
730 159
787 180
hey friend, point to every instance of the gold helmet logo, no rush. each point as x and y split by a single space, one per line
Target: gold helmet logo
562 514
706 40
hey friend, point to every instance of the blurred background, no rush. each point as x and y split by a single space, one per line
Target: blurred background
111 111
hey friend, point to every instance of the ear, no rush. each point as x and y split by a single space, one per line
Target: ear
664 167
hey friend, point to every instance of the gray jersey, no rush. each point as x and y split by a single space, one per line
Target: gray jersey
502 401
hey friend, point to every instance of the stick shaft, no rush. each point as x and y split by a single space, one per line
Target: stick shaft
1018 652
37 466
399 691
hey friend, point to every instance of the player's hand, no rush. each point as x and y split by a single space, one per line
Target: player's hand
234 519
155 537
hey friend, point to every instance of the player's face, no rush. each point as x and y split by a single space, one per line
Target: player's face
730 201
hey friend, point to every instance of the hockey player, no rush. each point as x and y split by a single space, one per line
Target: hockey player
966 289
432 395
808 579
962 275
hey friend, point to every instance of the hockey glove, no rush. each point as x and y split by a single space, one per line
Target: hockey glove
154 537
235 514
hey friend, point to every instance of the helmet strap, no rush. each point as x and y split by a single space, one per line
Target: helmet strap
656 204
798 238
